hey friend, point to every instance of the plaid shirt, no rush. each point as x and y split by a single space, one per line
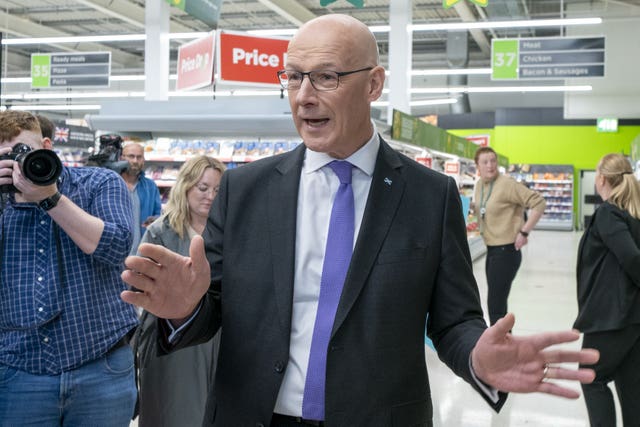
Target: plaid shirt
50 324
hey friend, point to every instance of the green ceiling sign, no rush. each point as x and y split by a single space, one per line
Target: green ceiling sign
207 11
412 130
448 3
356 3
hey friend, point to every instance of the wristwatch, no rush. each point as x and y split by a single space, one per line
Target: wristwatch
524 233
50 202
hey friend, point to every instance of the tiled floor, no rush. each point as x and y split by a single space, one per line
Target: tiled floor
543 299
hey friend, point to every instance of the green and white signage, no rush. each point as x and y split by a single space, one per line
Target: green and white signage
70 70
607 125
504 59
547 58
207 11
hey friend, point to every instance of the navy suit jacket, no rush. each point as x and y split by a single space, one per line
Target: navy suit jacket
411 258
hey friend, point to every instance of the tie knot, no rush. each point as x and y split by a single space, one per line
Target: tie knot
342 169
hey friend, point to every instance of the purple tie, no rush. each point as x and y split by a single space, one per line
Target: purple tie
337 256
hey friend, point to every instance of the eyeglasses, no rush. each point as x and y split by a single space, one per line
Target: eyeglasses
322 80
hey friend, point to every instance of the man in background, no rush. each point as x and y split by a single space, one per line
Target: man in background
145 195
64 353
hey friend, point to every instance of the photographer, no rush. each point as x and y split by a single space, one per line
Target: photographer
62 324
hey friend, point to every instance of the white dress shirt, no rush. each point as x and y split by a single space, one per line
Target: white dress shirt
318 187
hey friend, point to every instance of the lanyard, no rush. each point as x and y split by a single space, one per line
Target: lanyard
483 201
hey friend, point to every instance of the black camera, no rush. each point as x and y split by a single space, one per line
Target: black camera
42 167
109 154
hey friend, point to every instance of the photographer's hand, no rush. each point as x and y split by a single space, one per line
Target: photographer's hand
6 167
28 191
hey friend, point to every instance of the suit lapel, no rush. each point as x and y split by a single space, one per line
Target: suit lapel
282 211
387 187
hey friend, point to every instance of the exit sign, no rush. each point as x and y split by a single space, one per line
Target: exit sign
607 125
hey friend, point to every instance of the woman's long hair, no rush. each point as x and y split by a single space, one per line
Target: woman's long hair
177 210
625 188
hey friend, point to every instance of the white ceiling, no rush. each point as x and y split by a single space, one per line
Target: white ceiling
43 18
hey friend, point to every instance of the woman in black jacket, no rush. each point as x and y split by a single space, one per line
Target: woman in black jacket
609 293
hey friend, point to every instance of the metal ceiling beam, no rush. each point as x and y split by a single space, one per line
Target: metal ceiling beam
25 27
16 63
115 11
467 15
128 12
291 10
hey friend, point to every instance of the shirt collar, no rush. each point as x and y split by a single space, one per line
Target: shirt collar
364 159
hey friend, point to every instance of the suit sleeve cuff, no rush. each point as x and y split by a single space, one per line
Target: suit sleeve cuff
487 390
176 333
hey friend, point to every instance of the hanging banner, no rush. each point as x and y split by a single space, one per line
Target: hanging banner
449 3
248 59
207 11
356 3
195 63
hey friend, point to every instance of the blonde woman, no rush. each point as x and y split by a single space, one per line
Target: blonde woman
174 388
609 293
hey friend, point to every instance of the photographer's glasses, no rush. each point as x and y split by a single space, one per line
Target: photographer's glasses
321 80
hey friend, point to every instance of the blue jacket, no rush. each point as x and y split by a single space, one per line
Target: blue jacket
149 196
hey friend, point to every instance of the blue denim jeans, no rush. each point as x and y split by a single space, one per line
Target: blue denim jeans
101 393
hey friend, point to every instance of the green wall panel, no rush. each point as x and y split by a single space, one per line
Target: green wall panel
581 146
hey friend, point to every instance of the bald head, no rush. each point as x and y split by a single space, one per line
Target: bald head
334 118
342 33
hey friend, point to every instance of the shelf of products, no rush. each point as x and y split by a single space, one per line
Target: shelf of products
555 184
165 156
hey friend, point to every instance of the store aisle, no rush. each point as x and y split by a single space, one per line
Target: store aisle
543 298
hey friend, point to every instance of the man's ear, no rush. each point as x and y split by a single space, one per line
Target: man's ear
47 143
376 83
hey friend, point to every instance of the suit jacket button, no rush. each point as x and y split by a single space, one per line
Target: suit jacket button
278 366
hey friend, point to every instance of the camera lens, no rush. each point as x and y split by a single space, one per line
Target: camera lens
42 167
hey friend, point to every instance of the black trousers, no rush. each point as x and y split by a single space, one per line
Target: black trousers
619 362
501 265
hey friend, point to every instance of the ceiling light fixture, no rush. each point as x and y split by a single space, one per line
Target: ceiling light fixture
267 92
525 23
74 39
290 31
140 77
75 107
419 102
499 89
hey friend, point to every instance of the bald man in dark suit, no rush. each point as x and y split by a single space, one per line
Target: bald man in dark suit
260 274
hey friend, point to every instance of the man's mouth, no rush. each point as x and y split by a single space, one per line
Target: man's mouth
316 122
